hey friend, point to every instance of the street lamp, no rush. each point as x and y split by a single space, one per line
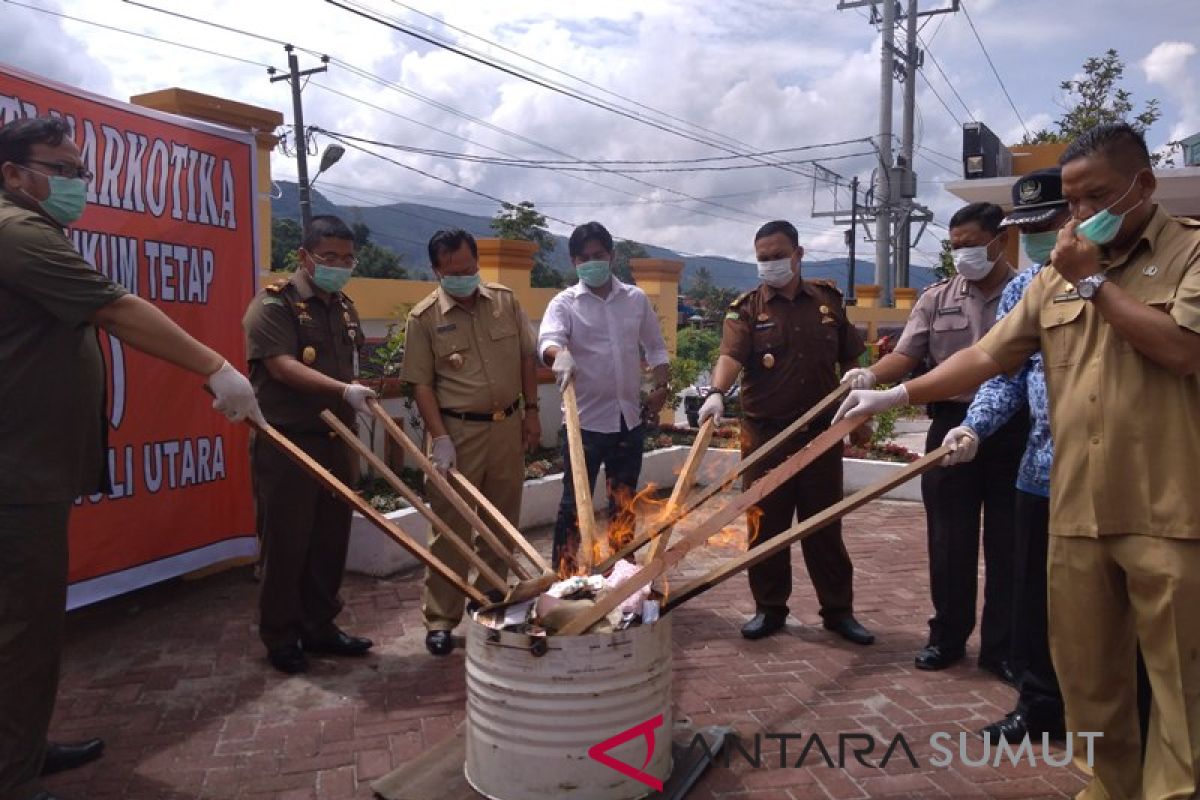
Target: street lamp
333 153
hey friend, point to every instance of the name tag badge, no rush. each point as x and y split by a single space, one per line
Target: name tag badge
1066 297
950 310
762 326
449 326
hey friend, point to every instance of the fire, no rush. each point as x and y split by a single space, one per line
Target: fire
737 538
622 527
754 516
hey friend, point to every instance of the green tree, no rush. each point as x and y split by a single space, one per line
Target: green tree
945 268
375 261
1096 98
709 299
625 250
699 345
285 241
523 222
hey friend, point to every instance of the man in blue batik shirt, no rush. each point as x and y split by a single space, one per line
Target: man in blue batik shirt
1039 210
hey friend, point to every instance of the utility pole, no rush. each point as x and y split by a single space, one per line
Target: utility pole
883 183
851 240
294 75
912 62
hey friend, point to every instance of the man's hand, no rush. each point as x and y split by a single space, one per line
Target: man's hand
234 395
357 396
531 430
860 378
861 436
444 456
963 442
656 400
713 407
563 367
1075 257
865 403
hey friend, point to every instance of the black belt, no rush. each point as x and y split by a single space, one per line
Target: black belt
471 416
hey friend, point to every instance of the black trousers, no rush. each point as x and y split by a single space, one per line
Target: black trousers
813 490
620 454
1040 698
954 499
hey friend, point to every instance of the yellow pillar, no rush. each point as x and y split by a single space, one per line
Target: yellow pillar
659 279
905 296
867 294
507 261
262 122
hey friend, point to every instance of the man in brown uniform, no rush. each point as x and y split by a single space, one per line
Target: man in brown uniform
469 354
53 432
790 336
948 317
1117 318
303 340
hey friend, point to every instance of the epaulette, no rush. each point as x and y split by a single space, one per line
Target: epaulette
741 298
827 284
499 287
278 286
935 284
1188 222
425 303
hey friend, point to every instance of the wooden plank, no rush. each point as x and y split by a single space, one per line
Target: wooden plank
803 529
579 477
436 774
443 486
348 436
668 521
712 525
329 481
683 485
502 522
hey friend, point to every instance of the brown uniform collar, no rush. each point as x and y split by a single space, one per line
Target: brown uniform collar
1149 236
447 302
767 293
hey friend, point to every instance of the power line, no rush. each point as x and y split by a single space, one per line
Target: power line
929 85
994 71
933 58
147 36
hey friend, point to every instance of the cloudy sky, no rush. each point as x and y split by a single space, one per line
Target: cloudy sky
754 76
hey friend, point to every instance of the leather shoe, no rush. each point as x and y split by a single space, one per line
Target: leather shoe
339 643
1001 669
439 643
1017 725
762 624
289 659
849 629
934 657
62 756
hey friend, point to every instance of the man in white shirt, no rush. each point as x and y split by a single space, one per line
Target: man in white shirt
595 333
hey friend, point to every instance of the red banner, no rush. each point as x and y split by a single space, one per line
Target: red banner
170 216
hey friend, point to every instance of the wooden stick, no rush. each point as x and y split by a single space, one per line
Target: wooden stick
579 477
496 580
502 523
804 529
443 486
329 481
713 525
683 485
674 515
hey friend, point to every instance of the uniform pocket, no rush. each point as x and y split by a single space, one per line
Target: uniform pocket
949 333
1063 324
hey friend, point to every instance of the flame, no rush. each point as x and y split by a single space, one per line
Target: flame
754 515
736 537
622 527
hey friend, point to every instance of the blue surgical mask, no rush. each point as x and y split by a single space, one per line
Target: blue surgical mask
67 200
329 278
1038 246
460 285
594 273
1103 226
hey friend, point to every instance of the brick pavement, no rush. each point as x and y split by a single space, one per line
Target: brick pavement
173 677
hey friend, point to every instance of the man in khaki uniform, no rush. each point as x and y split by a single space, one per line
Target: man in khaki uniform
469 354
54 430
303 340
951 316
1117 318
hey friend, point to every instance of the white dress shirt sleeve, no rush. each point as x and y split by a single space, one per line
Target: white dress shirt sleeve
555 329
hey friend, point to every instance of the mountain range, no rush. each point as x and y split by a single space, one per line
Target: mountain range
406 227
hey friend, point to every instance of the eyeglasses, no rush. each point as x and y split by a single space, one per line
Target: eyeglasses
64 170
332 260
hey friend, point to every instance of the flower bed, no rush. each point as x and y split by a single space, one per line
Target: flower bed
886 451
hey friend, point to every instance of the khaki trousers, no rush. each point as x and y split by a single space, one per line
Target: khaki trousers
490 455
1105 595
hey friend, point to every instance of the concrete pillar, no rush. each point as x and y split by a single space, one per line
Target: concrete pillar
507 261
262 122
867 294
905 296
659 279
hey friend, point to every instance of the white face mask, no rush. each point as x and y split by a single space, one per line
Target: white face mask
973 262
775 274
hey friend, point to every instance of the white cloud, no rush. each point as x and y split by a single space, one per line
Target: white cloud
1170 65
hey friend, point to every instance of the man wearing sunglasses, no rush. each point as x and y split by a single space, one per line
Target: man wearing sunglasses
53 431
303 340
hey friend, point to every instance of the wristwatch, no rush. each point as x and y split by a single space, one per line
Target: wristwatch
1087 287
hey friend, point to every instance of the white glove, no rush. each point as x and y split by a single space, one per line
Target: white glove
234 396
444 456
357 396
860 378
563 367
868 402
713 407
964 444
